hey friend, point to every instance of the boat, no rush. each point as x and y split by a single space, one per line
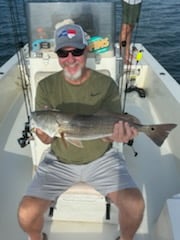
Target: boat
147 91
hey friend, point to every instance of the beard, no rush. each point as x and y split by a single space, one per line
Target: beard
74 76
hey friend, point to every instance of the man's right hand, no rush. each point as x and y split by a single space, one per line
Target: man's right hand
46 139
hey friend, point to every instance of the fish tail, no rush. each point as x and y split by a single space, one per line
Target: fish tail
158 132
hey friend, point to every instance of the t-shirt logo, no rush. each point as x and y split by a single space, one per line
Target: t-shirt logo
70 33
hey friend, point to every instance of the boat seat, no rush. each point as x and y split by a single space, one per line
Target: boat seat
82 202
82 188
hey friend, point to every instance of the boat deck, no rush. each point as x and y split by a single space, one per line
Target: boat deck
156 170
16 169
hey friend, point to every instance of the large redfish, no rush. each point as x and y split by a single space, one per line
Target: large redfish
75 128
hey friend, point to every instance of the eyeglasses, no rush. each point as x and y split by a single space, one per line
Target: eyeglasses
75 52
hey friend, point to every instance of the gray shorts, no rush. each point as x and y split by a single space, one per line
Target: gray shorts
106 174
130 13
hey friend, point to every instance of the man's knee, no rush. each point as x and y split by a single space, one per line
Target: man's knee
30 209
132 200
138 202
128 199
23 212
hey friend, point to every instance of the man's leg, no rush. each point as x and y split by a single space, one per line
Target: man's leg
131 207
31 216
52 178
125 36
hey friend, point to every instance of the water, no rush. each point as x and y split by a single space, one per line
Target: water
158 30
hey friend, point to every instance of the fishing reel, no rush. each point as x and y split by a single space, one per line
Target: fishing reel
141 92
26 136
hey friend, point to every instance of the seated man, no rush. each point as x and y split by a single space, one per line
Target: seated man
78 89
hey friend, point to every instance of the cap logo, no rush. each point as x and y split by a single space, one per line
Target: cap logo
70 33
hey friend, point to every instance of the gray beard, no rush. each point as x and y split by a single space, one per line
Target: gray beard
73 77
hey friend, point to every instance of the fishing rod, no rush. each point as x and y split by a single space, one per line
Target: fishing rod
127 68
23 71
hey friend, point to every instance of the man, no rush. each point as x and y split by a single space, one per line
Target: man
130 16
78 89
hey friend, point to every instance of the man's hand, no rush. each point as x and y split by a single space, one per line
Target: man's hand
122 132
43 136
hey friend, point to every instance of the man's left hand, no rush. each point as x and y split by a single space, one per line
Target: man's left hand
122 132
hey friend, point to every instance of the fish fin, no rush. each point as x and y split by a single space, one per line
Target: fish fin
63 139
76 143
159 132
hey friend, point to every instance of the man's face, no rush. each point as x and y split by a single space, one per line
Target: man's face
73 62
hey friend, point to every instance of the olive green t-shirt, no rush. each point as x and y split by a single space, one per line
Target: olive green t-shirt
98 93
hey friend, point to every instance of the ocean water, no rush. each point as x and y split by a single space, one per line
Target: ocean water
158 30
